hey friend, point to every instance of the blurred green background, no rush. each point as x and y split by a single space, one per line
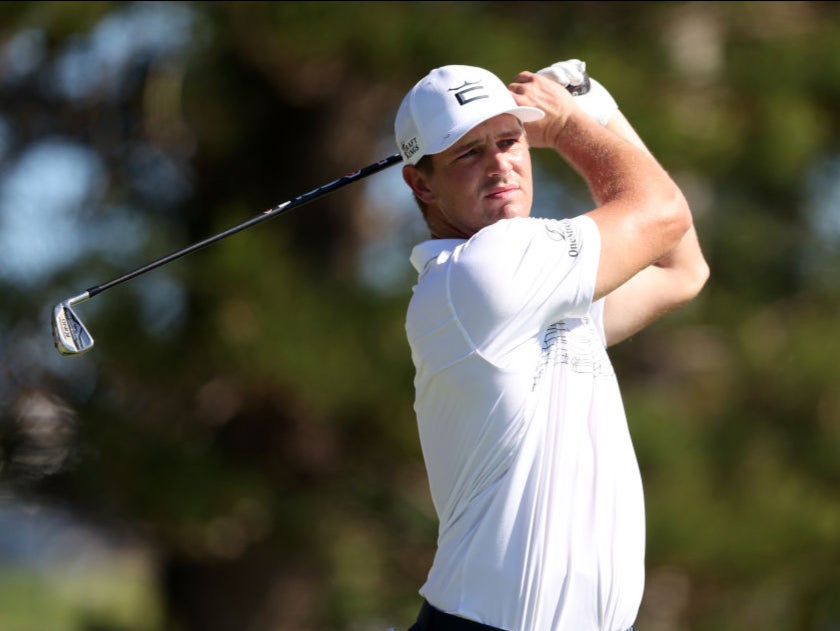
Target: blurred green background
238 452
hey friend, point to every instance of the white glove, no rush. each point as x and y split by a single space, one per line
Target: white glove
597 103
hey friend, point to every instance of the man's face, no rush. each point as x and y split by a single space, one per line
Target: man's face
484 177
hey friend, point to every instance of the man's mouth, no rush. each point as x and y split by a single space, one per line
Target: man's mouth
501 191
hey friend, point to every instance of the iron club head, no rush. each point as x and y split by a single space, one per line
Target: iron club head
70 335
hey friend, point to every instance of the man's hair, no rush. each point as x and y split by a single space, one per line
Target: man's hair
425 166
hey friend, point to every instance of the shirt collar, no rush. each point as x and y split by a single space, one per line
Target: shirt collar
431 249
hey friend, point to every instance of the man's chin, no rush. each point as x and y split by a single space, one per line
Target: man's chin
511 211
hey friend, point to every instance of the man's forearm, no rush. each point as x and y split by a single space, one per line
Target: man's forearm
611 169
687 256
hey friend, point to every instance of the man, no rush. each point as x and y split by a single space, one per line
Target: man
530 463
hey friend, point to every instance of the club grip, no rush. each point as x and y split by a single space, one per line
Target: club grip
581 88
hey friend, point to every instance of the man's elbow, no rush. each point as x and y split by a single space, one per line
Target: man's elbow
699 277
692 280
676 216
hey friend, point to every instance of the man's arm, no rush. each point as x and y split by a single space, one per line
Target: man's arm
642 215
660 288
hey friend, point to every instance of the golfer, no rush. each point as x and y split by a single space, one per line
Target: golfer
523 431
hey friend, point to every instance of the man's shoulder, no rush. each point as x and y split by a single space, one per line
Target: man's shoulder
431 249
529 229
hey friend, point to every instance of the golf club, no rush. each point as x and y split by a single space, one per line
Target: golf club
69 333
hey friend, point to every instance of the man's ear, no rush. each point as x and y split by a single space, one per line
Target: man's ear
418 183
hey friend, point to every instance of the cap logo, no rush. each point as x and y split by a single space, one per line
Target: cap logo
467 92
410 147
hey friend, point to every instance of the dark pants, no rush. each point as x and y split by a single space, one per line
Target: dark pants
431 619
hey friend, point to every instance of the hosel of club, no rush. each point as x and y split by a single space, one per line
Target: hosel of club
77 299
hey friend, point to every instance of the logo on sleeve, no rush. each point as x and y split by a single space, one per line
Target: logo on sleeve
565 232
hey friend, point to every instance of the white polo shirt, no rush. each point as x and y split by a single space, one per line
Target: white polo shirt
530 463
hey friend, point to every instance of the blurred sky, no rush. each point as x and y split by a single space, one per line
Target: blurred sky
45 191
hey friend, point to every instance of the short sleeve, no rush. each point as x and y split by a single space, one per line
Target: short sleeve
516 276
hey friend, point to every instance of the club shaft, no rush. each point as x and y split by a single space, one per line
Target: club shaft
298 201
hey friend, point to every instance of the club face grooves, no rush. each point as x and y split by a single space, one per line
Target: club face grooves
69 334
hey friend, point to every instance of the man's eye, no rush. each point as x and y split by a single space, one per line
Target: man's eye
468 154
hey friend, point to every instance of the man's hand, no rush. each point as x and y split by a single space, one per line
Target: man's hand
552 98
597 103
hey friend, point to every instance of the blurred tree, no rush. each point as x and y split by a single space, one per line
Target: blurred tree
247 412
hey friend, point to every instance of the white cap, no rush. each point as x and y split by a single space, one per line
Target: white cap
446 104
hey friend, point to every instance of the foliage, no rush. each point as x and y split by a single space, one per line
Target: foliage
246 414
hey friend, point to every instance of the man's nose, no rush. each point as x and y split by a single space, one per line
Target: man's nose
499 163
